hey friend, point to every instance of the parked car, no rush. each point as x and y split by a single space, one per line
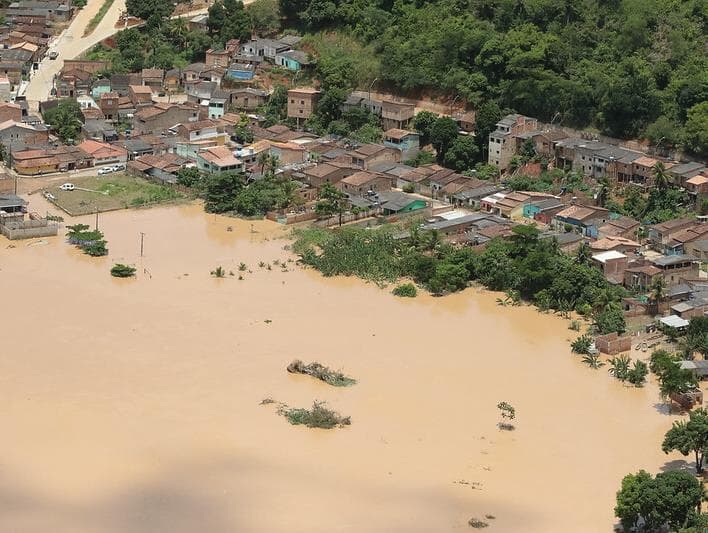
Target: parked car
117 168
49 196
105 170
53 55
67 187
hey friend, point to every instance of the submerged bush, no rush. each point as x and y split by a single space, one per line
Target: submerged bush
321 372
318 417
120 270
405 290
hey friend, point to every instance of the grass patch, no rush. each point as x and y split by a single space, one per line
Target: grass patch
319 416
98 17
91 242
321 372
107 193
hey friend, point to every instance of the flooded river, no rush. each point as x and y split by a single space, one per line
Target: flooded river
133 406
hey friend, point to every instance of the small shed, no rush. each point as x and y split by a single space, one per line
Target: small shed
674 321
698 368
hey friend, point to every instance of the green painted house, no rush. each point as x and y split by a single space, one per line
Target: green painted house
396 203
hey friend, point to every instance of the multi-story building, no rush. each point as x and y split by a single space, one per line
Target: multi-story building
503 141
302 103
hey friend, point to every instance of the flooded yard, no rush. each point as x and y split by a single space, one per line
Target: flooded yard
133 405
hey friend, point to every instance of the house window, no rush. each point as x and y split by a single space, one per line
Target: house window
292 100
302 102
301 111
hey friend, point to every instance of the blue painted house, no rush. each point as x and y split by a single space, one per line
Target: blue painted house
292 59
584 219
406 142
240 71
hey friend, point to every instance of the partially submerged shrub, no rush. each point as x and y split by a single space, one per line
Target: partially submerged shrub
120 270
318 417
316 370
218 272
581 345
406 290
508 413
477 523
574 325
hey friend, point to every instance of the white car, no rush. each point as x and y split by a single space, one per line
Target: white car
49 196
105 170
117 168
67 187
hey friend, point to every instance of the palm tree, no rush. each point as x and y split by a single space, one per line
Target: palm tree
433 240
619 367
661 178
180 29
583 254
658 291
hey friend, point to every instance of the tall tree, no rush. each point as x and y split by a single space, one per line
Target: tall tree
689 436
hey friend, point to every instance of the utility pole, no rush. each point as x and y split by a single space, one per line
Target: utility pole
371 86
97 219
142 238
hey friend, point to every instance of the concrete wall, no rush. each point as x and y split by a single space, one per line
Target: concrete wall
29 229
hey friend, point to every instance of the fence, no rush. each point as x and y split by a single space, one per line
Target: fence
351 217
29 229
290 218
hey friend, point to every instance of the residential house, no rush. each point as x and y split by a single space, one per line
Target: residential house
302 102
406 142
472 197
5 88
140 95
584 219
249 154
660 235
698 249
612 264
160 168
513 203
619 226
109 104
13 71
218 159
292 60
240 72
643 171
641 277
86 65
99 87
398 115
214 73
318 175
288 153
220 58
682 172
153 78
173 77
120 83
466 121
248 98
616 244
678 240
191 73
104 153
60 159
674 268
503 140
10 111
15 135
217 104
399 203
72 83
136 148
200 131
364 184
267 48
199 22
697 187
55 11
468 228
542 210
368 155
162 116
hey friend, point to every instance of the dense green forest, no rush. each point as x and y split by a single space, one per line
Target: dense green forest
627 67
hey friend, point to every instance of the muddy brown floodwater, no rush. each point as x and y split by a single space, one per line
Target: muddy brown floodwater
133 405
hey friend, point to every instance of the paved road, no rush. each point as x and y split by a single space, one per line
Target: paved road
70 44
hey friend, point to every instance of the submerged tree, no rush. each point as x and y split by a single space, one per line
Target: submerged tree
689 436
